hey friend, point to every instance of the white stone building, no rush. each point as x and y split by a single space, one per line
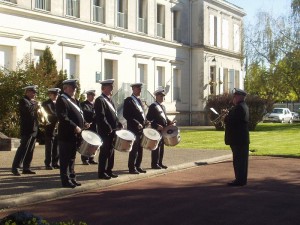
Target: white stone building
193 47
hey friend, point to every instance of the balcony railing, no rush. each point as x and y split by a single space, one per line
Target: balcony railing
42 4
73 7
98 15
122 20
160 30
142 25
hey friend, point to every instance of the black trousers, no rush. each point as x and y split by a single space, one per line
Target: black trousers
157 155
67 156
107 155
136 154
240 162
51 150
24 152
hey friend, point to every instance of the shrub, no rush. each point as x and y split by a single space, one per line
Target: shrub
257 108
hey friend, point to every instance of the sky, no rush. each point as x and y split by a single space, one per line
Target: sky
251 7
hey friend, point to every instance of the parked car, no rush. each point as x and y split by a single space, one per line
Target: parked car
279 115
296 117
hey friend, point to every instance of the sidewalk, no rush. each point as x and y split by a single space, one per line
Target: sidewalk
46 185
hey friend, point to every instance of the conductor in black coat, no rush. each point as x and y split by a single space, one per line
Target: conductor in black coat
28 129
133 112
159 120
89 115
71 123
107 124
237 136
51 148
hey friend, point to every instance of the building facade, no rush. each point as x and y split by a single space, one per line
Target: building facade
193 48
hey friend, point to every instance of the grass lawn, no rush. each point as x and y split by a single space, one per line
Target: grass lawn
268 139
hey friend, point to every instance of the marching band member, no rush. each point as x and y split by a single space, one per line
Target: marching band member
71 123
237 136
51 149
28 129
133 112
107 123
89 115
158 117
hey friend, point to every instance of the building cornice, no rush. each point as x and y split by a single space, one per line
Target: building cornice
70 44
109 50
41 40
11 35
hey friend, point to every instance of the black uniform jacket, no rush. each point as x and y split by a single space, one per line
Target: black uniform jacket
133 116
28 117
89 114
50 109
157 115
106 118
236 125
69 117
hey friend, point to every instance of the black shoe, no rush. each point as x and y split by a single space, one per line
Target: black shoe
28 172
56 166
75 182
156 167
112 175
93 162
141 170
103 176
49 168
134 171
85 163
68 184
163 166
235 184
15 172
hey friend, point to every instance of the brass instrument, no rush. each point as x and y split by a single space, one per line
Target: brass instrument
221 117
42 115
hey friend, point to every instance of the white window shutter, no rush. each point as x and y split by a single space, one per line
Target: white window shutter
225 34
211 29
218 32
221 82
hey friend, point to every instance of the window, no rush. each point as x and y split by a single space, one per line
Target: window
237 78
6 54
142 16
176 26
215 31
37 55
160 21
98 11
71 66
176 85
43 4
225 34
236 38
122 13
73 8
142 73
160 77
212 81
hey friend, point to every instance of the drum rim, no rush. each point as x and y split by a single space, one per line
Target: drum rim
128 131
94 133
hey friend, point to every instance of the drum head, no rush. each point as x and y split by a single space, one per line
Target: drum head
170 131
151 134
125 135
91 137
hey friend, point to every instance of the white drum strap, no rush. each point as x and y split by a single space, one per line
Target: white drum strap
111 106
76 106
160 110
138 105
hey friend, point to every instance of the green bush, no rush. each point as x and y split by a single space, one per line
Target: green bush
257 108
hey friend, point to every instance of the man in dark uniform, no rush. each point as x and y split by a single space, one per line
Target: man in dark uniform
89 116
71 123
133 112
28 129
107 124
158 117
237 136
51 149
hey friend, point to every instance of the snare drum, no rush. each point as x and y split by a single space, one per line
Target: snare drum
123 140
91 142
171 135
150 139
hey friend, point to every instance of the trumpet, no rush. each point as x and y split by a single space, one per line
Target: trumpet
42 115
221 117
